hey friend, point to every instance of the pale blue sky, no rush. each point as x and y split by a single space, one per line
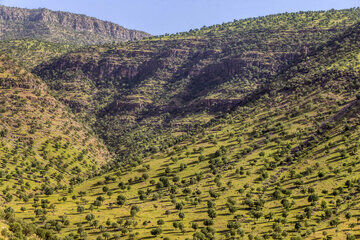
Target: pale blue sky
170 16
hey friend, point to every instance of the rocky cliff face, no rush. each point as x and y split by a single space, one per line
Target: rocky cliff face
61 27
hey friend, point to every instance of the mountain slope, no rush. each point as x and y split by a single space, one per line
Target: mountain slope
29 53
282 166
245 130
170 84
61 27
41 143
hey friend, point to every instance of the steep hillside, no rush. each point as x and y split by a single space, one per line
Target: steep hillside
284 165
61 27
42 147
133 91
29 53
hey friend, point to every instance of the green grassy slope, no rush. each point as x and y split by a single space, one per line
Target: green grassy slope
282 165
30 53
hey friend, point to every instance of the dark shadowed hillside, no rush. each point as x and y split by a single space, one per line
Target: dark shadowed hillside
130 91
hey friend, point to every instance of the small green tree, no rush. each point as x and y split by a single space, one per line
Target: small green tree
157 231
212 213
